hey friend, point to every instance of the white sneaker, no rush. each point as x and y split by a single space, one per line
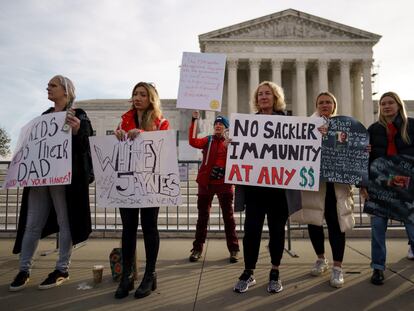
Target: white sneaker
244 282
337 277
410 254
320 267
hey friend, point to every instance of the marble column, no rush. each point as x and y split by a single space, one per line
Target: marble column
277 71
323 75
254 65
232 86
356 81
300 107
367 91
345 102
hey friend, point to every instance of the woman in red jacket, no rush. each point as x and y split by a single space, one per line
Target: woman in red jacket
210 181
144 115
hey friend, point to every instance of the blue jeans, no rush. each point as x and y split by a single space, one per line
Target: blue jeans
378 247
41 200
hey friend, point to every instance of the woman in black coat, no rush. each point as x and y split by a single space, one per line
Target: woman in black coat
59 208
268 99
392 134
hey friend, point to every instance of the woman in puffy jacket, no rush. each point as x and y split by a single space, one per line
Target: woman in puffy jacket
144 115
334 202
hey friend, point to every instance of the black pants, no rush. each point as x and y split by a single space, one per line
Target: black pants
149 223
336 237
261 201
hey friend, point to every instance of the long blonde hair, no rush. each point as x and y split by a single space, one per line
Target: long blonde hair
153 111
278 94
401 111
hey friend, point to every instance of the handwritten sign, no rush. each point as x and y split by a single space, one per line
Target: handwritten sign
139 173
391 188
43 155
201 81
274 151
344 152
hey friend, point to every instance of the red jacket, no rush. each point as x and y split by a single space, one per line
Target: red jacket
128 122
214 154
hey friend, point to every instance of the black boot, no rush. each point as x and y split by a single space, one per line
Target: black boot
377 277
125 286
148 284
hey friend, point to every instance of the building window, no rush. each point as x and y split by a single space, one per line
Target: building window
110 132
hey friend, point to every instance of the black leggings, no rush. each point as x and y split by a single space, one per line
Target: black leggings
259 202
149 219
336 237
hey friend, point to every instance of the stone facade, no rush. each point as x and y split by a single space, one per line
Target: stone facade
303 53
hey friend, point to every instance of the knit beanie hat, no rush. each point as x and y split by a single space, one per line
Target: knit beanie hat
222 120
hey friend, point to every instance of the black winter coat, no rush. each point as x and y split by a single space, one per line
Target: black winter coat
379 142
77 193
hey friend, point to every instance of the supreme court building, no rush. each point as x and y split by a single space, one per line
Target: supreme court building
303 53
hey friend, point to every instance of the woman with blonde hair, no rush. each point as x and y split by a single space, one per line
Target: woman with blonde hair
392 134
334 202
144 115
268 99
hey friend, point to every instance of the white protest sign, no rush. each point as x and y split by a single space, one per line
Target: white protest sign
201 81
274 151
43 155
139 173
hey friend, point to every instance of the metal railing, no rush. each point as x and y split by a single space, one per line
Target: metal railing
181 218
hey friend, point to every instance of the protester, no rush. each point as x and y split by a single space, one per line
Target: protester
144 115
392 134
61 208
334 202
268 99
210 181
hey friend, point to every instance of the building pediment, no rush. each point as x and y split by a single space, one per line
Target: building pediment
289 25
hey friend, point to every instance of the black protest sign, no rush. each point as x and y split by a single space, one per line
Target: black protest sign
344 152
391 188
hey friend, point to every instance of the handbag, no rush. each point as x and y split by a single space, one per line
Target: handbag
115 262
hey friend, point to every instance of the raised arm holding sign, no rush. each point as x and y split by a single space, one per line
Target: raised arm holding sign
210 179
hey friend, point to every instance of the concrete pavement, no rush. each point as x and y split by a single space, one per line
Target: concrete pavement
207 284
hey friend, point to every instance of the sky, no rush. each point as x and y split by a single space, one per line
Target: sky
106 46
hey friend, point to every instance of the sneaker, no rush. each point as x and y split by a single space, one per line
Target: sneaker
20 281
275 284
410 254
337 277
234 256
377 277
195 255
245 280
54 279
320 267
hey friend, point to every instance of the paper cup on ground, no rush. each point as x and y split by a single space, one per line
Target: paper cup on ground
97 273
